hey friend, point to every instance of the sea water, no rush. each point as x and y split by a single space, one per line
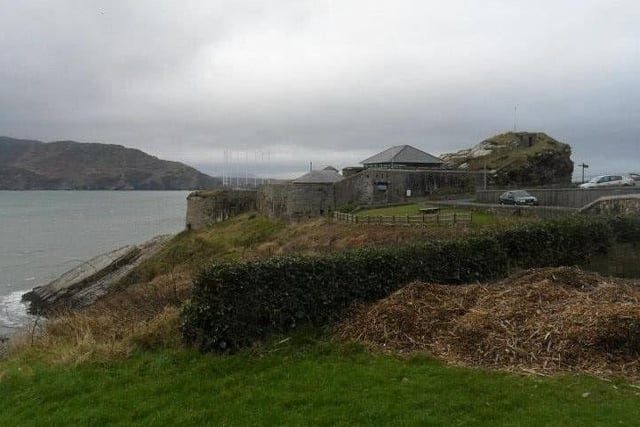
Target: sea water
45 233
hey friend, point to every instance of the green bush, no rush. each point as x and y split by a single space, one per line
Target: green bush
554 243
235 305
626 229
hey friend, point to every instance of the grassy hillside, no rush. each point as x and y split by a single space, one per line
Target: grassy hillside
144 312
121 361
304 380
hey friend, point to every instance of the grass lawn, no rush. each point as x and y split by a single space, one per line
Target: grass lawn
302 382
478 217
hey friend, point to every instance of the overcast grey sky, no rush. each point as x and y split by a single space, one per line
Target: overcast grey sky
326 81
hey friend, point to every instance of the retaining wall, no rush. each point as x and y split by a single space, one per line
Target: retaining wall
614 205
565 197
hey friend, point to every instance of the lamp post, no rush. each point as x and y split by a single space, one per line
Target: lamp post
583 166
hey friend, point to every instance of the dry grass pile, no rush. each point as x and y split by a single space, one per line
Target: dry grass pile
540 320
144 315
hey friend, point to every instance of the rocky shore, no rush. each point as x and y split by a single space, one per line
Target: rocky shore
84 284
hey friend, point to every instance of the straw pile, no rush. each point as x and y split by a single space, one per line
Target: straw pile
540 321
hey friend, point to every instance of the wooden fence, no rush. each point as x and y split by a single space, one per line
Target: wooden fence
424 219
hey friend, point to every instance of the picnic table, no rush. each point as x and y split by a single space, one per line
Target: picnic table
430 210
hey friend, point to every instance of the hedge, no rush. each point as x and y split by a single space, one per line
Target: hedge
234 305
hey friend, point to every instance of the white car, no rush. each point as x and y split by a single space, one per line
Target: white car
607 181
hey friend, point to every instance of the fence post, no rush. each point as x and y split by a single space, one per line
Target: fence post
454 217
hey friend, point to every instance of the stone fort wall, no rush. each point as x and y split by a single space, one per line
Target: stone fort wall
295 201
208 207
380 186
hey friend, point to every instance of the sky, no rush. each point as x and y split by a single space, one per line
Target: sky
272 86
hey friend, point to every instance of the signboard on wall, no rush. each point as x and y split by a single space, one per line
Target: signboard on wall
381 185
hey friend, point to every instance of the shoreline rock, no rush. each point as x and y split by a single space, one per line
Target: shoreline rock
84 284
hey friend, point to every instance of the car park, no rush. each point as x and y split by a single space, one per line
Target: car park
608 181
517 197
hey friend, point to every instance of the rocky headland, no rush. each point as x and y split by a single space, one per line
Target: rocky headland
517 158
69 165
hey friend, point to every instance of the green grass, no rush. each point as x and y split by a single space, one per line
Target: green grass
412 209
225 241
303 382
513 158
479 217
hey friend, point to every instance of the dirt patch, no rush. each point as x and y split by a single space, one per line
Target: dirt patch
541 320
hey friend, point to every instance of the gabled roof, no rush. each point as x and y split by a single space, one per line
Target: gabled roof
402 154
319 177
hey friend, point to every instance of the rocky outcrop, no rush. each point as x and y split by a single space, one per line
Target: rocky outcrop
84 284
68 165
517 158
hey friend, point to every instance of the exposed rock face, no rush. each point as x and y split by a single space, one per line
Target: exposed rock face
68 165
92 279
517 158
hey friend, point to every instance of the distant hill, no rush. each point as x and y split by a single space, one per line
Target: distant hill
517 158
69 165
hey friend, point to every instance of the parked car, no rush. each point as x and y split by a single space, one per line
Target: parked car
608 181
635 176
517 197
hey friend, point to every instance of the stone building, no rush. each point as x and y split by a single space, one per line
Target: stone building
383 186
395 175
308 196
392 176
398 174
402 157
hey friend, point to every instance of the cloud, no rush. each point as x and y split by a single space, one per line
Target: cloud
329 82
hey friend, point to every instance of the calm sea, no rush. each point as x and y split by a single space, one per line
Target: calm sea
45 233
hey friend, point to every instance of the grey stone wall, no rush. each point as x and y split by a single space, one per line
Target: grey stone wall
296 201
306 200
614 205
380 186
567 197
208 207
272 200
